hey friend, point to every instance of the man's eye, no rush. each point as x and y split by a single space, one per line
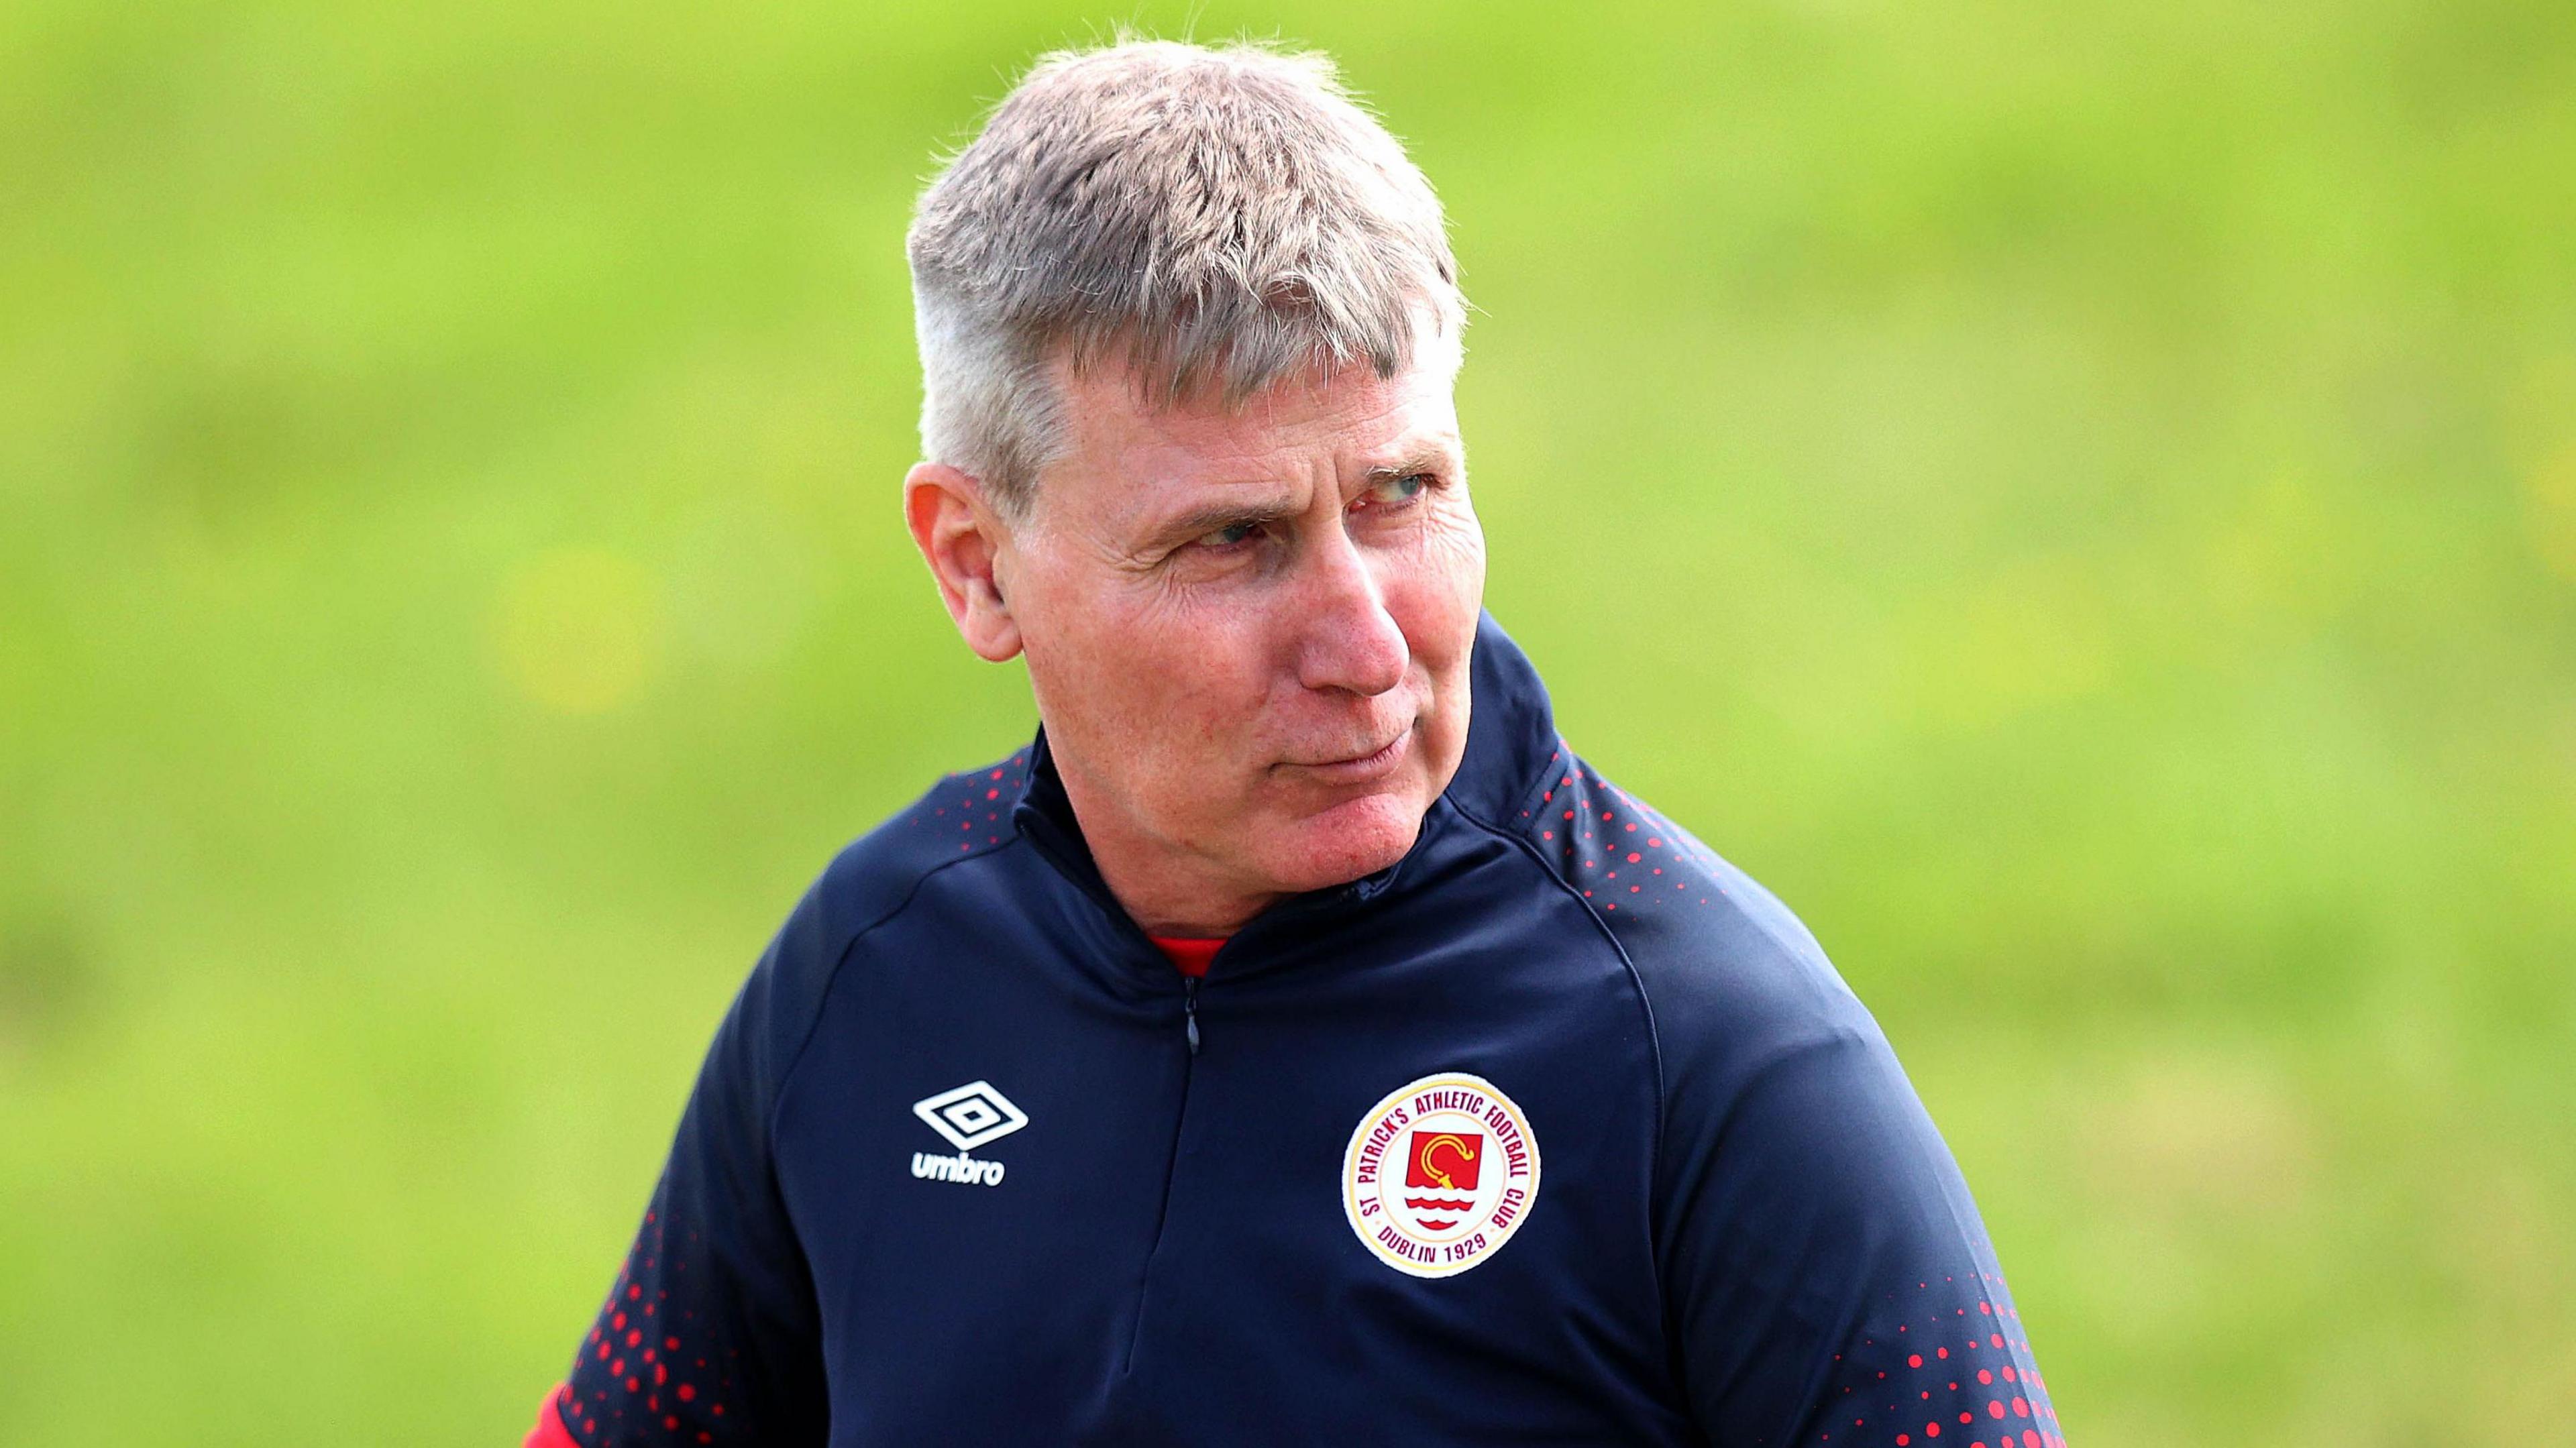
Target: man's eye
1402 489
1227 536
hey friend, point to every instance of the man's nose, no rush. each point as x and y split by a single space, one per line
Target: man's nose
1346 637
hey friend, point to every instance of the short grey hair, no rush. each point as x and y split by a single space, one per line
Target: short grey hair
1208 217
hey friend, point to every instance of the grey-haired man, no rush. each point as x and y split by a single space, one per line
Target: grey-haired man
1297 1043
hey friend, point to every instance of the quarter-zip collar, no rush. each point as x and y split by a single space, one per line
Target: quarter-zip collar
1511 738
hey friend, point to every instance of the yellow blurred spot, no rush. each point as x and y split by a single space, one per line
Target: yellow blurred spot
576 630
2031 635
2550 493
2276 565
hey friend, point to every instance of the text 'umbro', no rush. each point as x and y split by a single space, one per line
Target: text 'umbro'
958 1168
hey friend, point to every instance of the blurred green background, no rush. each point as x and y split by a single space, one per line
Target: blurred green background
2081 499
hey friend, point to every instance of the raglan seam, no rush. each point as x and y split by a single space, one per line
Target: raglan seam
1833 1033
1645 1008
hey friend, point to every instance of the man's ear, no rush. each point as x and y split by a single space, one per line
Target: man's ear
963 541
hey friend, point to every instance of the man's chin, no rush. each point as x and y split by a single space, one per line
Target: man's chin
1338 845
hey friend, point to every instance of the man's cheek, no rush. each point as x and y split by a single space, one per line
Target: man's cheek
1429 612
1457 551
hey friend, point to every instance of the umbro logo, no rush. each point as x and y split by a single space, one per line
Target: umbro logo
969 1116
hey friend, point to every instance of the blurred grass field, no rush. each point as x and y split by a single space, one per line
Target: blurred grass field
2079 499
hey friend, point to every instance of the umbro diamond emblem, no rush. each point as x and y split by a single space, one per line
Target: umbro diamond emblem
970 1116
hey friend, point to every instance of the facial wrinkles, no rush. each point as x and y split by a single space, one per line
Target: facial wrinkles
1186 681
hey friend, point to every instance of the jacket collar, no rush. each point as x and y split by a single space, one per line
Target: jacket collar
1511 740
1511 732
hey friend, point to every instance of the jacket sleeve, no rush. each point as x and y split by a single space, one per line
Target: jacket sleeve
710 1332
1829 1282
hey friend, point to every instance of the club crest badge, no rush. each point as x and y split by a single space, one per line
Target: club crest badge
1440 1174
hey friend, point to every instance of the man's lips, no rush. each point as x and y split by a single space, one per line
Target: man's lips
1360 768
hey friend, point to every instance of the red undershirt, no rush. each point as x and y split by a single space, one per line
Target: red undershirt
1189 957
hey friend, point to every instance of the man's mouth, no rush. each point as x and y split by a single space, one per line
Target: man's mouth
1361 768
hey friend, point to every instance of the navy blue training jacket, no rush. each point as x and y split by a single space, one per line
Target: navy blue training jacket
1559 1130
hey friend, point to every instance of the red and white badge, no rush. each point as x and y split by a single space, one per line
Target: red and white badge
1440 1174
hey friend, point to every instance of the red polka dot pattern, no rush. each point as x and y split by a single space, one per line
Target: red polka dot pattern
1932 1373
973 808
1614 849
670 1388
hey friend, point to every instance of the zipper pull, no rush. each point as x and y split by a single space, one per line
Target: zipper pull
1190 1009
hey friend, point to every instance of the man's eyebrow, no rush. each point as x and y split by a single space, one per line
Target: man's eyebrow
1429 457
1198 522
1432 456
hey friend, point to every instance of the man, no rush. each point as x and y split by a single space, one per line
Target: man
1297 1043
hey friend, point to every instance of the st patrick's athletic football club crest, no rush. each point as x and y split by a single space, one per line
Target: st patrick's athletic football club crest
1440 1174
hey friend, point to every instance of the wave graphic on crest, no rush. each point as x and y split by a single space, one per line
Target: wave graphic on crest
1438 1204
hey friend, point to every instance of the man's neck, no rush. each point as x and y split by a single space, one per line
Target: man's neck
1164 889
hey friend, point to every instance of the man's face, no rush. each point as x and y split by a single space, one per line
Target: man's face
1248 631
